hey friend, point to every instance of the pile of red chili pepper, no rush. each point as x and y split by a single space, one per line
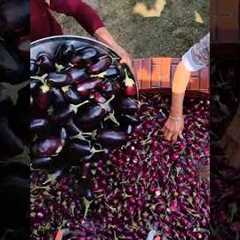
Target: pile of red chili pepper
147 184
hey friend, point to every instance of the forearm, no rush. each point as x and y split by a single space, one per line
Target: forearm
104 36
179 86
87 17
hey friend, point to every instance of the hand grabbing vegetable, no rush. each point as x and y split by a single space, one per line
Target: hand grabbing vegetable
173 128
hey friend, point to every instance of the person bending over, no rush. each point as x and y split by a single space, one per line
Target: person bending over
44 24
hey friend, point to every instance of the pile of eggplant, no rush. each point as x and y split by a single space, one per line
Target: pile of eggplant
14 102
83 104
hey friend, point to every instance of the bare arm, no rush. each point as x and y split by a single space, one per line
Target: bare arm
194 59
103 35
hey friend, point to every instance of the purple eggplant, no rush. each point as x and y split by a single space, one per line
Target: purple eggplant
91 114
57 99
35 84
128 105
98 97
129 119
86 87
88 55
79 148
102 64
72 96
106 88
71 128
76 59
112 73
45 63
111 138
48 147
58 79
77 75
65 53
41 96
61 116
33 67
41 163
39 126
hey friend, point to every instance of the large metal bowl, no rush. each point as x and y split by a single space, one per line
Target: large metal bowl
50 45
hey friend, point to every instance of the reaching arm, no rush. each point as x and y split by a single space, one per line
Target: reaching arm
83 13
92 23
194 59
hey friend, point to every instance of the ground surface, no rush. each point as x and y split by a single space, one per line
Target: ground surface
150 27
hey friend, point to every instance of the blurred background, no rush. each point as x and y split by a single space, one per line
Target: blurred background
149 28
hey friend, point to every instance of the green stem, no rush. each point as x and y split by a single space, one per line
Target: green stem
112 117
59 67
40 188
105 105
76 107
41 78
52 178
87 205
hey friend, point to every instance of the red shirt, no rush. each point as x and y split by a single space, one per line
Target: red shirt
43 23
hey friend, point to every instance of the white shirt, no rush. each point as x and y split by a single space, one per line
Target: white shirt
197 57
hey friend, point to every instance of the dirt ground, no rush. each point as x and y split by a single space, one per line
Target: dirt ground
150 27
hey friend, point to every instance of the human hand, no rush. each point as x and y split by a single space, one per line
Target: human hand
173 128
126 58
104 36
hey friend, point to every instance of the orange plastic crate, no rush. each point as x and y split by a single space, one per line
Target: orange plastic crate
158 73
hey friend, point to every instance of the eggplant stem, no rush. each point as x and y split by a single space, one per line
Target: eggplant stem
115 236
111 208
75 107
87 205
87 133
112 117
65 88
105 105
94 150
39 188
59 67
41 78
78 136
52 178
100 75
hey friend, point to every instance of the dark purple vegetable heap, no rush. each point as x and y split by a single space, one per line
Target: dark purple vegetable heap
83 102
147 184
14 99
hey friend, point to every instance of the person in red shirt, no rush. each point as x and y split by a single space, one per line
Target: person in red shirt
43 23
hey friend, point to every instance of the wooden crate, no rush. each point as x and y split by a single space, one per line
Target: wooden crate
155 73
